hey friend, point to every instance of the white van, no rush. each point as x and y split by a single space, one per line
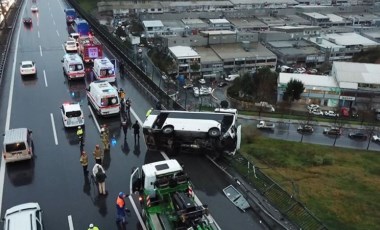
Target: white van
72 114
18 145
26 216
104 70
232 77
73 67
103 97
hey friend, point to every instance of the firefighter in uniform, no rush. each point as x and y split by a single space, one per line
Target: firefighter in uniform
105 137
98 154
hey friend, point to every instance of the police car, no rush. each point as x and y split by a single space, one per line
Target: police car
72 114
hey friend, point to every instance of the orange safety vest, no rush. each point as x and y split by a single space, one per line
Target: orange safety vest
120 202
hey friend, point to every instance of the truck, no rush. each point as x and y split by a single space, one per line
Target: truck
167 199
81 27
71 15
89 48
265 125
214 132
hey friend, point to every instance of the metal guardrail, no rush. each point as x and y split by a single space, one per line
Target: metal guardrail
154 92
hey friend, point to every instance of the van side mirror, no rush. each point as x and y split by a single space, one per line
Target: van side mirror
62 60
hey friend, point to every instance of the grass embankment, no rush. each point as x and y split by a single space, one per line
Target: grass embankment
340 186
88 5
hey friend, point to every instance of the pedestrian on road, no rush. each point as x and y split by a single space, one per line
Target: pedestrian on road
128 104
104 132
158 105
84 161
149 112
121 209
98 154
92 227
136 131
100 176
80 135
124 126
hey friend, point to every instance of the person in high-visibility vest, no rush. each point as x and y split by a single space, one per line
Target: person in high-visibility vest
92 227
121 209
149 112
80 134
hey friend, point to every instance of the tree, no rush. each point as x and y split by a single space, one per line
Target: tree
120 32
293 90
194 67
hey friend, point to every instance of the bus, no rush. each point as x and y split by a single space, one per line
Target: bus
206 132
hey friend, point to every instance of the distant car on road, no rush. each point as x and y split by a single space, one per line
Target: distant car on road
316 112
28 68
358 136
376 138
71 45
331 114
72 115
202 81
34 8
332 131
312 107
305 129
27 21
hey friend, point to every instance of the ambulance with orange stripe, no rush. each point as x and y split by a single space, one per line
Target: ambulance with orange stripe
73 67
104 98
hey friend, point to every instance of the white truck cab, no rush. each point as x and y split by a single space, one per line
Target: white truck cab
72 114
104 98
72 66
104 70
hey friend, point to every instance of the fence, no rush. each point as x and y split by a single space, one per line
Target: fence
287 204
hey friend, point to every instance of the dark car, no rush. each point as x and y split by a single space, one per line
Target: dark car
332 131
305 129
27 20
222 84
358 136
354 113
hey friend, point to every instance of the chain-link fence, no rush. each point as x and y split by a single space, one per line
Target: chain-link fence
286 203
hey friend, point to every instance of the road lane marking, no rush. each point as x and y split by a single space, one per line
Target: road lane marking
137 212
70 220
45 79
135 115
93 115
38 22
9 111
164 155
60 4
63 47
41 50
57 32
54 131
38 33
53 21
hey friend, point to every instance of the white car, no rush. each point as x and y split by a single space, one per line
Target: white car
316 112
28 68
71 46
23 216
331 114
202 91
376 138
34 8
202 81
72 115
312 107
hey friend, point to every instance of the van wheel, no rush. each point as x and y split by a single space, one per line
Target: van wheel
214 132
168 130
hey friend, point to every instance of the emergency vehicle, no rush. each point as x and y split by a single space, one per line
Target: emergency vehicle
104 70
89 48
72 66
72 115
104 98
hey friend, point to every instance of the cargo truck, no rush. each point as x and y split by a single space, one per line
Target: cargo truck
71 15
167 199
81 27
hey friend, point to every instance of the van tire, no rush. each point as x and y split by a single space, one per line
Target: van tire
168 130
214 132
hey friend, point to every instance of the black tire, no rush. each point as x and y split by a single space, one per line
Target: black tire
168 130
214 132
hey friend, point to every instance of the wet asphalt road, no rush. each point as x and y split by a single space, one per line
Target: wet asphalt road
55 178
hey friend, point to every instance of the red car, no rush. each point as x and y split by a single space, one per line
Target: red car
27 20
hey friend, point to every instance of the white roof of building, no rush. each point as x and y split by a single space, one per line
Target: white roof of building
325 43
316 15
182 52
297 27
261 2
308 80
349 74
335 18
349 39
153 23
218 32
219 21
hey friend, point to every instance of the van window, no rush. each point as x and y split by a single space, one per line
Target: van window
76 67
73 114
109 101
15 147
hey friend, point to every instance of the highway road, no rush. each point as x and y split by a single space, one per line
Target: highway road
54 178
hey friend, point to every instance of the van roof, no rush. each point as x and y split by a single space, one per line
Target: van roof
19 217
73 106
15 135
104 86
104 62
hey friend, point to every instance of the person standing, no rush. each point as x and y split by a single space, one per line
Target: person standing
98 154
100 176
80 135
105 137
120 208
136 131
149 112
128 104
84 161
92 227
124 126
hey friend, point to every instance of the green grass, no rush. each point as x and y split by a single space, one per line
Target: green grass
340 186
88 5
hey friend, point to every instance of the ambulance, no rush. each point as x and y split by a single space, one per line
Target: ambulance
72 65
104 98
104 70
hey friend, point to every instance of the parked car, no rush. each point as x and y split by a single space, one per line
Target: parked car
331 114
358 136
316 112
312 107
202 81
305 129
188 86
332 131
376 138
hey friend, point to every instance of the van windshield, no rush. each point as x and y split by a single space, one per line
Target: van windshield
109 101
76 67
14 147
72 114
106 72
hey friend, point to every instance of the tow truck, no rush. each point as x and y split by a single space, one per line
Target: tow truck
89 48
167 199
